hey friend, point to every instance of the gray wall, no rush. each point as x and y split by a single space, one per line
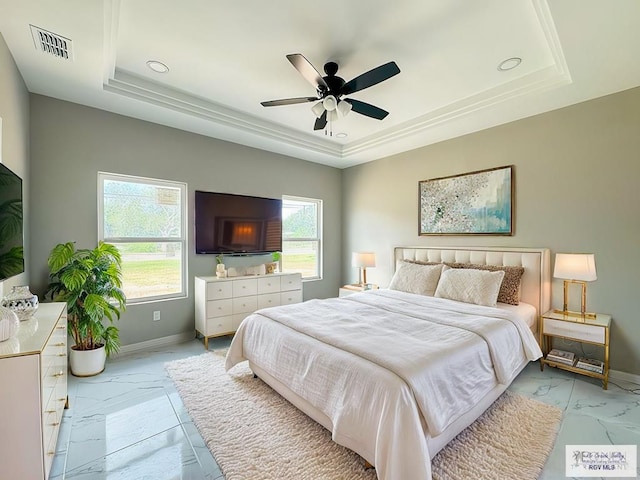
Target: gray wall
577 171
14 138
71 143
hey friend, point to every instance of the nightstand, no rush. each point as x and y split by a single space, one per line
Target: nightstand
355 288
593 331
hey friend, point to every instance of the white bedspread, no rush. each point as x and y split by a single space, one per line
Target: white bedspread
386 366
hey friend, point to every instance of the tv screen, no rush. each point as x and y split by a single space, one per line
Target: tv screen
237 224
11 244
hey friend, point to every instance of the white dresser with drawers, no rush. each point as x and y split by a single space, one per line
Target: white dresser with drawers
222 303
33 375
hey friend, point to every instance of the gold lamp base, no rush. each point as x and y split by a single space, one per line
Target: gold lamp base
583 304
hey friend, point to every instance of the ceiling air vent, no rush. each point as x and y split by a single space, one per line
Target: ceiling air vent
52 43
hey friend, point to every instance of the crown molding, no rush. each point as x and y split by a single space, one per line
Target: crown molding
264 133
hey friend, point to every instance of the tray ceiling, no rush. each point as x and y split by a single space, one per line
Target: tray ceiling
224 58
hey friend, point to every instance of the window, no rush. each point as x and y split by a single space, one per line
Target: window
301 236
145 219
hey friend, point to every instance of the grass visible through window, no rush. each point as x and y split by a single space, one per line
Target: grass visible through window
152 277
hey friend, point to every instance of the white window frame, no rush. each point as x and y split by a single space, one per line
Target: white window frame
319 229
182 239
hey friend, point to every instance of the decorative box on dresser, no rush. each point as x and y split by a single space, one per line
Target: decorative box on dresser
33 374
222 303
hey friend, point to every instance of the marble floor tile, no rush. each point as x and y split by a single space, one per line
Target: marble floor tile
129 422
109 427
166 455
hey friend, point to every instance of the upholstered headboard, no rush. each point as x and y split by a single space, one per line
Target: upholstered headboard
536 280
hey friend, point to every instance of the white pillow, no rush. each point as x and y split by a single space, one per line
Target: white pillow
416 278
470 285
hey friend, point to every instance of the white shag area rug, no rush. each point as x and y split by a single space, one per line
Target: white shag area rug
254 433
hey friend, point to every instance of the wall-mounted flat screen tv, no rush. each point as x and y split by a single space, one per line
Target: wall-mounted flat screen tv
11 239
237 224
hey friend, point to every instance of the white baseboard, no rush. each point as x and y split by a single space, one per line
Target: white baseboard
155 343
624 376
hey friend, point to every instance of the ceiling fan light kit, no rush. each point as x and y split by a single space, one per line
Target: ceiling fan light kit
318 109
344 108
329 103
331 88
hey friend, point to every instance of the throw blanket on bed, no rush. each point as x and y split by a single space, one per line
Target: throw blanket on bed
438 359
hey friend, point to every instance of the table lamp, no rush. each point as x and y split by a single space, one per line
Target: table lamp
576 268
363 260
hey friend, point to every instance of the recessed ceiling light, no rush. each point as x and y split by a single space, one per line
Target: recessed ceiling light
157 67
341 135
509 64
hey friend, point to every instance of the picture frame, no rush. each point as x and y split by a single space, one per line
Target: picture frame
473 203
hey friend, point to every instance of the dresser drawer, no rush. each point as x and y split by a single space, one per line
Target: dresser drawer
219 290
578 331
243 288
293 296
268 285
291 282
269 300
219 326
245 304
219 308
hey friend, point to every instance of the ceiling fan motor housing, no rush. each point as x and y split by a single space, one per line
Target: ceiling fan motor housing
334 82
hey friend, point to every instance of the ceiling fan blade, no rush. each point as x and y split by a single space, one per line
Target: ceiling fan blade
366 109
370 78
288 101
321 121
307 70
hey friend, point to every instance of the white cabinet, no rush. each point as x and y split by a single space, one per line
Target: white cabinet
33 375
222 303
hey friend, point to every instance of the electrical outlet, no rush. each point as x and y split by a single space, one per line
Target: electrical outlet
156 315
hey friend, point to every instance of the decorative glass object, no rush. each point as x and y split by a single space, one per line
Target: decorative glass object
220 271
9 323
21 301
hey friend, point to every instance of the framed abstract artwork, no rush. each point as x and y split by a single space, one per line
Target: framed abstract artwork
474 203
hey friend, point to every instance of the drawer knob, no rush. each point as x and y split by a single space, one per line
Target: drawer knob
62 355
50 411
59 344
59 374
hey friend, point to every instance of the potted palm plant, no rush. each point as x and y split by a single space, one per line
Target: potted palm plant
90 282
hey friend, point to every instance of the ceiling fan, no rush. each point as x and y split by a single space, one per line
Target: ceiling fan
330 89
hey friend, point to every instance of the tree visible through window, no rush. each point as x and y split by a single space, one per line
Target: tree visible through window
301 236
145 219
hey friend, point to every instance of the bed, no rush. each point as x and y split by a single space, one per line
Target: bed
395 375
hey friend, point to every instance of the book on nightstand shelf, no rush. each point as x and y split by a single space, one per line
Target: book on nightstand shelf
560 356
590 364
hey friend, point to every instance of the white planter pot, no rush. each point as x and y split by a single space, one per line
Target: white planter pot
86 363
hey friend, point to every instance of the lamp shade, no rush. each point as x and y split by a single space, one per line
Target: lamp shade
575 266
330 103
344 107
318 109
363 259
332 115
